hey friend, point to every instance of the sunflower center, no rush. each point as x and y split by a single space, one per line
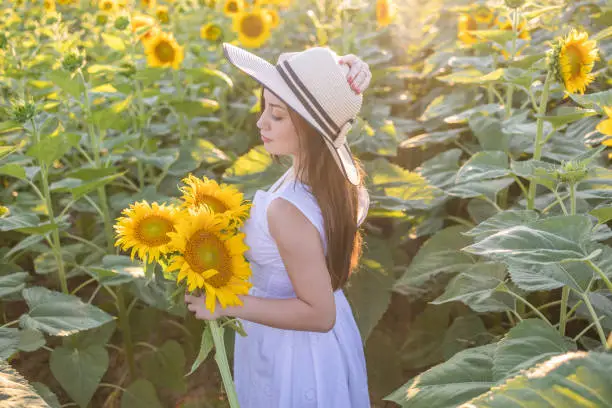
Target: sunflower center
574 56
153 230
252 26
215 204
471 24
232 7
213 32
165 51
205 251
108 5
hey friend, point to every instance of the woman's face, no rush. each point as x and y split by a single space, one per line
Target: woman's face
276 128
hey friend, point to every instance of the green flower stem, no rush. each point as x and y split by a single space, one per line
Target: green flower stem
586 329
563 310
222 363
537 153
181 94
56 245
600 332
600 273
526 302
141 123
572 199
510 90
125 329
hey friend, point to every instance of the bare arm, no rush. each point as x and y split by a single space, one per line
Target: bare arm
301 249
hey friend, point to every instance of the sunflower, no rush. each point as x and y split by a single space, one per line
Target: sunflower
220 199
49 5
210 258
523 33
571 60
253 27
385 12
146 26
605 126
144 228
211 32
108 6
148 3
466 24
272 16
233 7
162 14
484 15
162 50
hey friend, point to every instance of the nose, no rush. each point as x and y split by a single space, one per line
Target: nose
260 122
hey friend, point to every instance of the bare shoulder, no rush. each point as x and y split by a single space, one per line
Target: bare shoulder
284 215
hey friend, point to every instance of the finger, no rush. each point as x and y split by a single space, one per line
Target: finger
354 71
364 82
348 59
358 80
191 307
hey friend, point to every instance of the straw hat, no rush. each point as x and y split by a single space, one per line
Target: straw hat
314 85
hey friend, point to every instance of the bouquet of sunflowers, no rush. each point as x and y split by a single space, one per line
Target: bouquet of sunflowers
198 245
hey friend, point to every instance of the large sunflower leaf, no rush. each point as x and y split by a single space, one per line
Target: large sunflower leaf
566 380
440 254
79 370
483 166
551 240
501 221
59 314
525 345
465 375
140 394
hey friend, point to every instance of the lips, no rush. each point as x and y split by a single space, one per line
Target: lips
265 139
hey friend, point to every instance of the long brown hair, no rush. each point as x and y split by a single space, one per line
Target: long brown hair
336 196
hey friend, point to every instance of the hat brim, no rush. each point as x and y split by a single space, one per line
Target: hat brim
269 77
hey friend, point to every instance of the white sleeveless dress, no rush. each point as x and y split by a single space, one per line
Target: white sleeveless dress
278 368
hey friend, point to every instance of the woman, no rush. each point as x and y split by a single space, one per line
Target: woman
302 348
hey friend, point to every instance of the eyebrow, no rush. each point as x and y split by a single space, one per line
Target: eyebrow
276 106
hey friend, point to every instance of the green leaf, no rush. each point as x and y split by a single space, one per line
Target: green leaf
195 152
30 340
252 171
476 287
446 105
501 37
566 116
9 340
62 79
440 254
206 345
79 188
49 397
369 288
487 188
395 188
599 99
471 76
501 221
59 314
114 42
488 131
603 214
466 375
15 391
531 278
462 117
525 345
52 148
140 394
116 270
12 283
441 170
552 240
13 170
191 108
484 165
567 380
605 33
165 367
79 371
423 139
26 223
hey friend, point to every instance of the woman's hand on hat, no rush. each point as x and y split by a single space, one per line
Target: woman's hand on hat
359 74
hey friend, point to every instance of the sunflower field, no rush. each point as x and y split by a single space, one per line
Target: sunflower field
486 278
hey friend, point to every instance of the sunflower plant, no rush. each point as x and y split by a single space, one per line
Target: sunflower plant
198 246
